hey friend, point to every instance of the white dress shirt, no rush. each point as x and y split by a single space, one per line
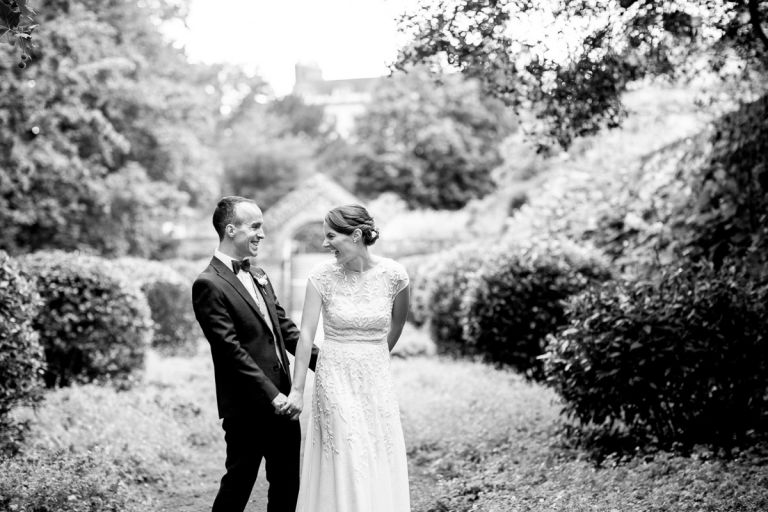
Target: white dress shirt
247 279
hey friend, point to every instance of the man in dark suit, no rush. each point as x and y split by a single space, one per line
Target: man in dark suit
249 332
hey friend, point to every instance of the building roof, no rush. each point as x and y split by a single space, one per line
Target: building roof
307 202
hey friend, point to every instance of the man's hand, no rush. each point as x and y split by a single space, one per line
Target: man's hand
280 403
291 405
295 404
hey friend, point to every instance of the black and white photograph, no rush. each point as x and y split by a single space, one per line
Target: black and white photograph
383 256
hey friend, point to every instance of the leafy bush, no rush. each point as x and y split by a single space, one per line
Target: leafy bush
727 211
189 269
679 360
169 295
422 270
94 322
21 355
449 286
702 198
517 297
65 483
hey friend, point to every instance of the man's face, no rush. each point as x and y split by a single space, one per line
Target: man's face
247 231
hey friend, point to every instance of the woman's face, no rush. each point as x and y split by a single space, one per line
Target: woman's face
342 246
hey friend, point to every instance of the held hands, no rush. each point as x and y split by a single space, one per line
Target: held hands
290 405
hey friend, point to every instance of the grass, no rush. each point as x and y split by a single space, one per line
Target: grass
486 440
479 439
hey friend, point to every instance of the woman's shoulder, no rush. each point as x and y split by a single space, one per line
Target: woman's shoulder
391 265
323 268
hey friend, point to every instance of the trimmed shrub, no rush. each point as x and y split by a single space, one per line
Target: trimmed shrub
518 297
682 359
189 269
169 295
449 286
21 355
94 323
422 270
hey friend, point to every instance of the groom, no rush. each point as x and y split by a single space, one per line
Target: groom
248 332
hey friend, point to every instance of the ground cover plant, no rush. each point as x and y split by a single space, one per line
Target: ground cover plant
477 438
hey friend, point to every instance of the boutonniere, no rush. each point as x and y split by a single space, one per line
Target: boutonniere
260 277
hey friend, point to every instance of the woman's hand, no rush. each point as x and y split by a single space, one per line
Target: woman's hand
294 404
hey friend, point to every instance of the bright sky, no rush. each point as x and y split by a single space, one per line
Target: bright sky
347 38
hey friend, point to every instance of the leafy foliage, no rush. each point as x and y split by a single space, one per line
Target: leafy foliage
189 269
66 483
21 355
704 198
434 144
680 360
575 91
169 295
17 22
107 122
446 292
267 149
421 270
518 296
95 323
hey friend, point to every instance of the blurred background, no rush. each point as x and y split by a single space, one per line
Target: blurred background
577 189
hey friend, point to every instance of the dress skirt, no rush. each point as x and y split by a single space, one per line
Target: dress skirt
354 453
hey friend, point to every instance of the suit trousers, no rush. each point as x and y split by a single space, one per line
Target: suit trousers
277 440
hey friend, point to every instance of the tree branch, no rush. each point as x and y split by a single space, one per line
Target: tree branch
754 17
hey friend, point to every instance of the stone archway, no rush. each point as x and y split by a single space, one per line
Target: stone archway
306 252
296 213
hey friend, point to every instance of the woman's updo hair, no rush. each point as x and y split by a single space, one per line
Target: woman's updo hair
346 219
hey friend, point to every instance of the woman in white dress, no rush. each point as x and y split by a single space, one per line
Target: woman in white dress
354 453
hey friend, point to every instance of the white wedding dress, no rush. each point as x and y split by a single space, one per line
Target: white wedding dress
354 453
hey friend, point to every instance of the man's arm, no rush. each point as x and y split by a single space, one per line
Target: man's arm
211 314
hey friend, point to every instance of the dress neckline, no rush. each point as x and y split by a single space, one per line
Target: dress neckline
376 264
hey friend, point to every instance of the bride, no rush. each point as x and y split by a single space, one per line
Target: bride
354 453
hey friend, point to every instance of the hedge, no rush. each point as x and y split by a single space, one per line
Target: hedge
169 295
682 359
21 356
517 297
94 324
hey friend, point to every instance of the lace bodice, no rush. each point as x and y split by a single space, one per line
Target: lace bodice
357 306
354 453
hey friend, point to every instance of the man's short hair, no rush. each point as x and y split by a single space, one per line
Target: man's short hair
224 213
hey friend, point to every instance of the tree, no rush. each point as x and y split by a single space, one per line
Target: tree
17 21
267 148
434 144
570 73
106 133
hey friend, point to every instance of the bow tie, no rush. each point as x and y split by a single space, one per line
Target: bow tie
244 264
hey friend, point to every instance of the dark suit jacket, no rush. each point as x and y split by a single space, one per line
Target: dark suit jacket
247 371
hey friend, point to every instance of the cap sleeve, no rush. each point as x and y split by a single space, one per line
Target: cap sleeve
319 278
399 278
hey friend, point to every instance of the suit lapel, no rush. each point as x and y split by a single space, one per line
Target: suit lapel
232 279
273 316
